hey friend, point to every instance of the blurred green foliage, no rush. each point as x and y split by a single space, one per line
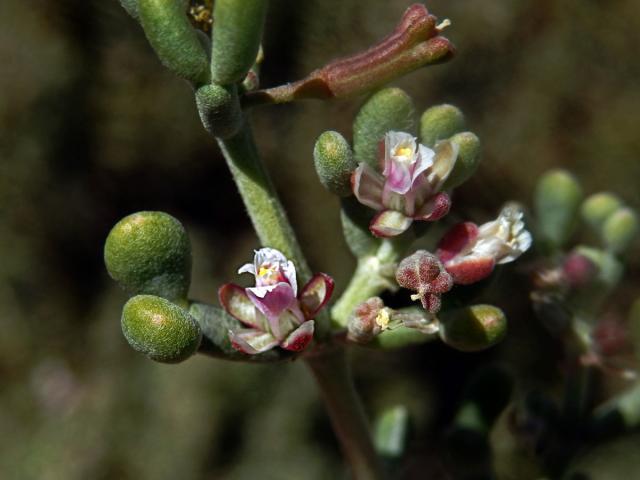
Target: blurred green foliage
92 128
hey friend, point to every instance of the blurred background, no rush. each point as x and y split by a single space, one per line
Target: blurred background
92 128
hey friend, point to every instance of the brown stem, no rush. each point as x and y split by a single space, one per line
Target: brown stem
333 375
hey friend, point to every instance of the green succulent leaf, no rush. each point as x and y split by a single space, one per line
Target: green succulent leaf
150 252
160 329
388 109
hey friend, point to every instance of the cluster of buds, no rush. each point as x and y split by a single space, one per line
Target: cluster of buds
273 310
410 185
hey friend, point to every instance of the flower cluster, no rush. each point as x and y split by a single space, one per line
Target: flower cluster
273 310
470 252
410 185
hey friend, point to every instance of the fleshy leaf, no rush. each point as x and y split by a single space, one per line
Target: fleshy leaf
235 301
389 223
251 341
300 337
315 294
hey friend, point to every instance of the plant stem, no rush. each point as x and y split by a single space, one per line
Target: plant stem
333 375
265 210
373 275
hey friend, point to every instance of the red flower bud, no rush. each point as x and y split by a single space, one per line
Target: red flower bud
424 273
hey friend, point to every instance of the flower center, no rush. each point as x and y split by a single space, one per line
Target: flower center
270 274
404 153
382 319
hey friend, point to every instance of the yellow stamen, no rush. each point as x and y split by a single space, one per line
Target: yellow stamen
403 152
382 319
264 271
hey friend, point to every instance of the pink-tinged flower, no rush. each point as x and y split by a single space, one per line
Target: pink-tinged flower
471 252
423 273
274 312
410 185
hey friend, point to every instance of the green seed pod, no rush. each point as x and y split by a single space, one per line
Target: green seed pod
474 328
469 150
355 219
219 110
620 229
160 329
597 208
236 38
388 109
131 6
557 199
334 163
174 39
439 123
149 252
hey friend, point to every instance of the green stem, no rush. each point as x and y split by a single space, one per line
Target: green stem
373 275
265 210
333 375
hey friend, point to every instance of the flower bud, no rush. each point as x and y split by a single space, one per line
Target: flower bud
219 110
160 329
578 270
334 163
425 274
557 199
609 269
174 39
598 207
236 38
149 252
368 320
620 229
469 150
387 110
439 123
474 328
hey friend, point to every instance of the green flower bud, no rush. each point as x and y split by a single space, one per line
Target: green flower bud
388 109
219 110
557 199
160 329
620 229
439 123
174 39
474 328
236 38
149 252
334 163
469 150
597 208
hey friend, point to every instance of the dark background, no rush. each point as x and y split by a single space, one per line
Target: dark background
92 128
